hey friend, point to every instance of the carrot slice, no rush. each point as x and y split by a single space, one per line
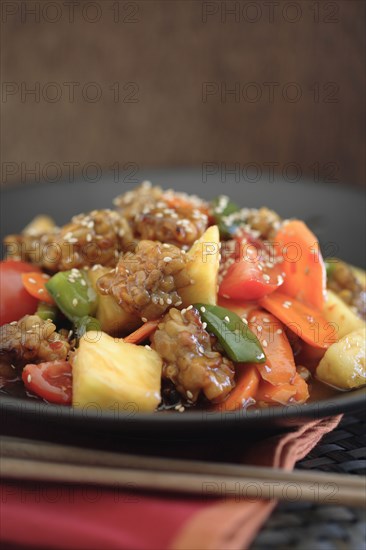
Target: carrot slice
34 283
143 332
244 393
303 265
279 367
307 322
283 394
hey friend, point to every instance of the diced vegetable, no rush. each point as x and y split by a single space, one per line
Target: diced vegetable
51 380
342 317
238 341
73 294
244 393
110 373
279 367
203 267
39 225
35 283
46 311
344 363
308 323
15 301
249 278
222 208
284 394
113 318
303 265
86 324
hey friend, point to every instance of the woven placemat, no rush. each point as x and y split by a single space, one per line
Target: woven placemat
305 526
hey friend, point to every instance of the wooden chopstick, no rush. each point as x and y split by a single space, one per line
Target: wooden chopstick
23 459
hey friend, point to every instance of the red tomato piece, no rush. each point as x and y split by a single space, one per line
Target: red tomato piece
34 282
15 301
252 275
51 381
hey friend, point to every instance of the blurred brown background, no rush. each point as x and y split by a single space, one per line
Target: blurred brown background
180 83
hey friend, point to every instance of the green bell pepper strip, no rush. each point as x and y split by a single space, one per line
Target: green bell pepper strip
85 324
73 294
222 207
239 342
46 311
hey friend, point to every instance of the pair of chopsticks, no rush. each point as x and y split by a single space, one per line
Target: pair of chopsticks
37 460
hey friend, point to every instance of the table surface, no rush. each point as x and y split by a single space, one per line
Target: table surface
305 526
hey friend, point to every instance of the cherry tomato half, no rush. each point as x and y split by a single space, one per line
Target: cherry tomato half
51 381
15 301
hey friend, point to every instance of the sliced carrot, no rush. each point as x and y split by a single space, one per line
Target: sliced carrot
302 389
279 367
244 393
143 332
284 394
307 322
34 283
303 265
267 393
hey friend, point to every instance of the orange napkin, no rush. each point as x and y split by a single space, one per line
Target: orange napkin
61 516
231 525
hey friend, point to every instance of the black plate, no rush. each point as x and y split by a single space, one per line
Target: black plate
336 215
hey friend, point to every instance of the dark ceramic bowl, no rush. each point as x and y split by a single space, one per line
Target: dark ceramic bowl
335 214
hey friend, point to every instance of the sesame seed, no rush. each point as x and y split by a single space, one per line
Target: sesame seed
287 304
179 303
226 296
31 280
183 311
259 328
264 343
203 309
167 259
143 319
40 290
161 301
245 321
75 302
82 282
266 320
13 323
204 325
227 319
181 409
201 349
279 331
45 276
89 237
29 379
148 347
253 319
165 245
168 301
189 394
266 277
189 307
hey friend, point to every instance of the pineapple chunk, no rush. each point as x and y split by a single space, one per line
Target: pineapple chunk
337 312
112 318
203 267
344 363
107 371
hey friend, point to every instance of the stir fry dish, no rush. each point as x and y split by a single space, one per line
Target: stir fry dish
170 302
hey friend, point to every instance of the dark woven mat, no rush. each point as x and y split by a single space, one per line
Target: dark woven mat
307 526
